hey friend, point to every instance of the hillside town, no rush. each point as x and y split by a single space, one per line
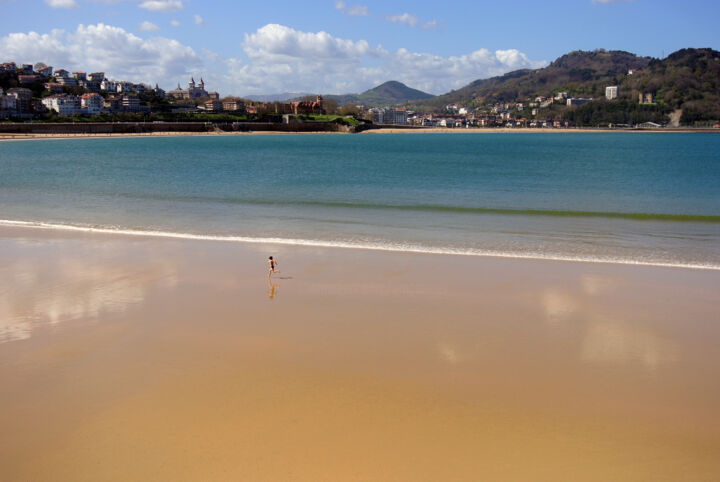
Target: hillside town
501 114
42 92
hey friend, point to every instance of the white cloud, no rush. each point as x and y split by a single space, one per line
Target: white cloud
353 11
430 25
276 59
358 11
174 23
120 54
148 27
275 41
62 3
405 19
198 19
437 74
283 59
514 59
162 5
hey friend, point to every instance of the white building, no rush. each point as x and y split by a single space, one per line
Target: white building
611 92
91 104
396 116
108 85
124 86
389 116
575 101
63 104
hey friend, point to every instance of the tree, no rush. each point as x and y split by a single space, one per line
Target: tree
349 109
330 106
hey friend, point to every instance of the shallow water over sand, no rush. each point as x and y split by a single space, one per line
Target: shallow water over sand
144 359
641 197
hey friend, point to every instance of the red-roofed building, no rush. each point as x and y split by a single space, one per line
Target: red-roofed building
54 87
43 69
8 67
28 78
308 106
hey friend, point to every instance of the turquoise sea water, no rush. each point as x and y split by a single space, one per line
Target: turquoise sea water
620 197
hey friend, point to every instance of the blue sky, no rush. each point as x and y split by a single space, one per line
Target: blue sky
332 46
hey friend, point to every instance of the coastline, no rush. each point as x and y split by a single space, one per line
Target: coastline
384 130
510 130
20 137
149 358
316 243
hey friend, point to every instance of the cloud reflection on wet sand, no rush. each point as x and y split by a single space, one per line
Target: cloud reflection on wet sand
44 290
607 337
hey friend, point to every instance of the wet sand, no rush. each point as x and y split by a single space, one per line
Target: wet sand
125 358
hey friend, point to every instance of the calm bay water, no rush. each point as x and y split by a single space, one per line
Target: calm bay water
622 197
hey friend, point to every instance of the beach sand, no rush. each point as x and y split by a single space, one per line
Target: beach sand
384 130
133 358
19 136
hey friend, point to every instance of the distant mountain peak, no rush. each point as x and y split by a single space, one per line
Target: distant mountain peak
391 92
395 91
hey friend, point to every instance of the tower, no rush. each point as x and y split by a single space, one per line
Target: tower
191 85
202 84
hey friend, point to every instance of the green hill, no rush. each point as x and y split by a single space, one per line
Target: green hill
687 80
389 93
582 74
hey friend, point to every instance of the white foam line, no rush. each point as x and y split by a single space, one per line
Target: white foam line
341 244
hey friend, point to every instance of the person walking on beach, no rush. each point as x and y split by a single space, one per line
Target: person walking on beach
273 264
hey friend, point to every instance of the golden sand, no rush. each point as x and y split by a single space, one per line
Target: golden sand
152 359
384 130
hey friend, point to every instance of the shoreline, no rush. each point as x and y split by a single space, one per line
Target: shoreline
383 130
173 359
510 130
313 243
21 137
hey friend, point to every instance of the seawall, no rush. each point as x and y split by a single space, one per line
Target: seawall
150 127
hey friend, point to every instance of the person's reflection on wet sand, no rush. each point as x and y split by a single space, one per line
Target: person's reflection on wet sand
272 290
